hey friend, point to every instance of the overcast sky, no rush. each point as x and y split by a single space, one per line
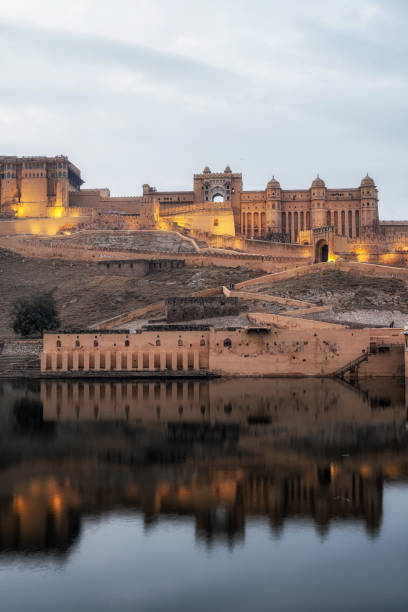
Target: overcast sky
137 91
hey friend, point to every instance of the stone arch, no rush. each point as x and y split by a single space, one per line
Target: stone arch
321 251
218 193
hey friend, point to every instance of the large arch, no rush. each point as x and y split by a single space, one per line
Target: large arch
321 251
218 193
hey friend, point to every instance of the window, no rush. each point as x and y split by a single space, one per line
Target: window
157 342
227 342
127 343
58 343
77 343
216 222
96 343
180 342
202 342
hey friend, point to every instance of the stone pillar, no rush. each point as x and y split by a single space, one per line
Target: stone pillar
97 358
151 360
54 358
162 360
129 360
64 361
86 361
75 361
118 361
174 360
43 362
196 361
140 360
185 361
252 225
107 360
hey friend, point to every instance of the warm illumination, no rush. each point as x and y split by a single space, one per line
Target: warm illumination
57 503
18 503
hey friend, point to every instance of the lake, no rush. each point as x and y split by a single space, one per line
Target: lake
228 494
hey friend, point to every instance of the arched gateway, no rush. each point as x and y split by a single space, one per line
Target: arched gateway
322 251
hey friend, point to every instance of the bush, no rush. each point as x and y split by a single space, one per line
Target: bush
34 315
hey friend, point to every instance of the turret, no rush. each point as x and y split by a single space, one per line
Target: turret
369 202
273 206
318 203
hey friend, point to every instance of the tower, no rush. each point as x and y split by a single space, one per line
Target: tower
318 203
369 202
273 206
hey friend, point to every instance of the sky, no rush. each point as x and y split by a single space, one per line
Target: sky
151 91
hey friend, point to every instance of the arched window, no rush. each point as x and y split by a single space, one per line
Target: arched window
58 343
180 342
158 342
202 342
127 343
227 342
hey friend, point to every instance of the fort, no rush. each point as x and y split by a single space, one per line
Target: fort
236 328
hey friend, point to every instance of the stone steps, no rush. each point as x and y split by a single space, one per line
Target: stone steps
19 365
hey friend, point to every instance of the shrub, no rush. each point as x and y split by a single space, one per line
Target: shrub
34 315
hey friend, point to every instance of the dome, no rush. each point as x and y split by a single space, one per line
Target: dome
274 183
318 182
206 170
227 170
367 182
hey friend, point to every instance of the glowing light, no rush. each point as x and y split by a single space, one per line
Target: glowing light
332 259
18 503
57 503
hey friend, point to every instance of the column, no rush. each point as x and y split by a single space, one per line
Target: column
174 360
151 360
107 360
43 362
75 361
185 360
118 360
162 360
196 356
64 361
252 225
54 361
86 361
140 360
129 359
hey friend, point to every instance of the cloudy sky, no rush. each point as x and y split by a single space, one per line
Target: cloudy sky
137 91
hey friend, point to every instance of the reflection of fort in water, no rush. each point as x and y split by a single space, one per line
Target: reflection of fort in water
218 451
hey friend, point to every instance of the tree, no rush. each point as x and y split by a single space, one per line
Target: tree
31 316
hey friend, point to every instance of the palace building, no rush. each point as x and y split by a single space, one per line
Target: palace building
35 186
217 204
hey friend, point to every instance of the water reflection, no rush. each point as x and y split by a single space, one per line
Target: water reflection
219 452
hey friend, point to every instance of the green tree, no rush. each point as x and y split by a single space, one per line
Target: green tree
31 316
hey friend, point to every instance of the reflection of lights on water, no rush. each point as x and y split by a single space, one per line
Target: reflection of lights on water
57 503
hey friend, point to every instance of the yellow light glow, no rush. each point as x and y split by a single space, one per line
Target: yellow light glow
57 503
18 503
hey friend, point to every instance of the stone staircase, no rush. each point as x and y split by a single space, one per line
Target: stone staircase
352 366
24 366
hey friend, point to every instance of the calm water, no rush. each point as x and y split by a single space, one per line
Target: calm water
221 495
